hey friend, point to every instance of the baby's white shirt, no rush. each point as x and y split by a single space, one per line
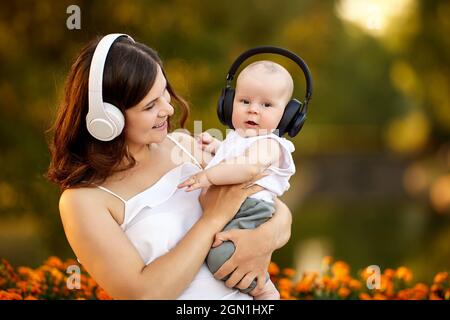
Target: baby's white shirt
277 182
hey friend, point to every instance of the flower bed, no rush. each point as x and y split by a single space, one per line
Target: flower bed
49 281
335 282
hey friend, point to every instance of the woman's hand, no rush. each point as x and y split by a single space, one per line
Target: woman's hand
254 248
249 261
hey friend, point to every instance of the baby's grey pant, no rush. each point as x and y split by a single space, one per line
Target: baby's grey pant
252 213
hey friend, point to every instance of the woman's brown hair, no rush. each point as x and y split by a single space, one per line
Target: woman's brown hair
77 158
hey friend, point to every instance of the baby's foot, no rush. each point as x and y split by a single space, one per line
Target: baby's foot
269 292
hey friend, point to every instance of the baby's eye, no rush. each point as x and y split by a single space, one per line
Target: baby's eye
267 105
245 101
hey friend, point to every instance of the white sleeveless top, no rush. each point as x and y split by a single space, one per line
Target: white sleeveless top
277 182
156 219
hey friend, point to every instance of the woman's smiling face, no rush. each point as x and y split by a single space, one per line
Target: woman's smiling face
146 122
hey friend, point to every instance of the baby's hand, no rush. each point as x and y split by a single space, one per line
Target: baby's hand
197 181
208 143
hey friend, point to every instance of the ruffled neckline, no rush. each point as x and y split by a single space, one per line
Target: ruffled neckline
156 194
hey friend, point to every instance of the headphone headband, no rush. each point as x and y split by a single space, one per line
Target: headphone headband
280 51
103 120
295 112
96 73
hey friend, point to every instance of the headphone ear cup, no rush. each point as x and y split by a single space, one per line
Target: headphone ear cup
220 113
297 124
291 110
228 99
117 118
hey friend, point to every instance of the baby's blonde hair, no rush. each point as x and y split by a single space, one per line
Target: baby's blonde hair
272 67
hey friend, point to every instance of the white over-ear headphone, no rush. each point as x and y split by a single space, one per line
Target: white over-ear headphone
104 121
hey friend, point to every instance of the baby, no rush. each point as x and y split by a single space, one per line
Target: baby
263 90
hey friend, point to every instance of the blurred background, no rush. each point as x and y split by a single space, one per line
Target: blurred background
373 160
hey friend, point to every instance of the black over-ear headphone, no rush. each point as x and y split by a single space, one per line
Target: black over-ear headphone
294 115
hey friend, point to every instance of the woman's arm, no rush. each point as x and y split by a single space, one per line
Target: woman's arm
254 248
278 228
113 261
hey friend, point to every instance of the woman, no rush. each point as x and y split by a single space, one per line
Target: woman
136 234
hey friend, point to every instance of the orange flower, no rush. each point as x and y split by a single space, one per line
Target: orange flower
54 262
285 284
273 269
302 287
364 296
440 277
325 281
70 262
345 279
7 266
306 283
421 287
434 296
289 272
48 281
403 294
91 283
102 295
24 271
379 296
404 274
9 270
340 269
285 295
344 292
330 284
387 286
389 273
5 295
366 273
57 275
22 286
435 287
420 291
355 285
36 289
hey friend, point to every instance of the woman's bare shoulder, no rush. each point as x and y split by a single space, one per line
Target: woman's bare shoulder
76 194
79 199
